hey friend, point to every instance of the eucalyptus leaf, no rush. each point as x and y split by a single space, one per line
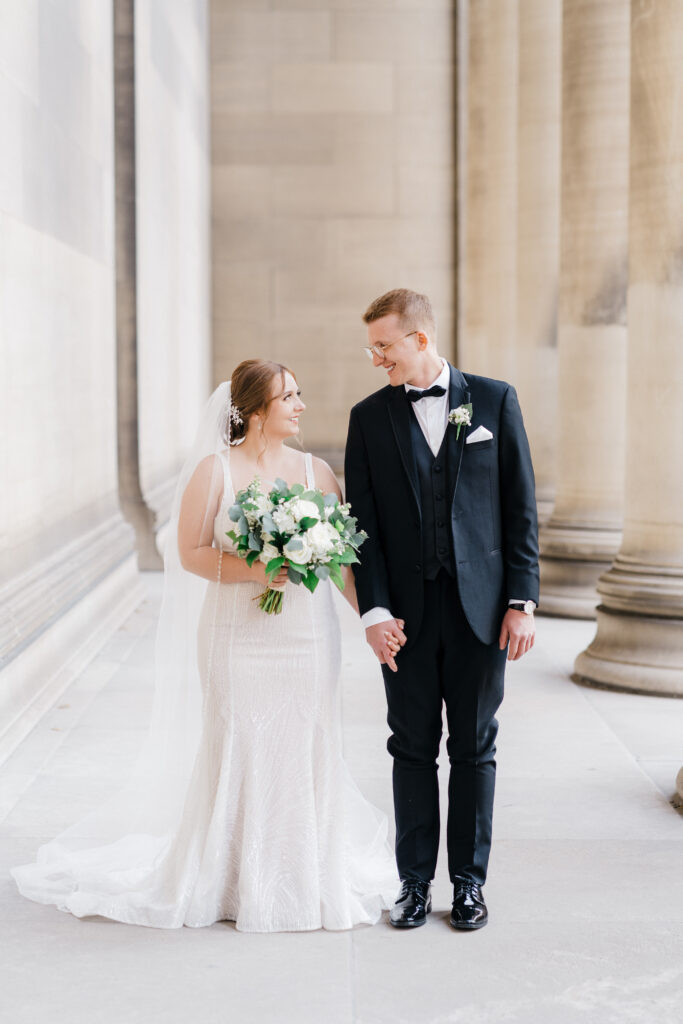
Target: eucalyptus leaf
294 576
268 524
243 526
254 542
297 489
301 569
281 485
235 513
317 499
294 544
322 572
330 499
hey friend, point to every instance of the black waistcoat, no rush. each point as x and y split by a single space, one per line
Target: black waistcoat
436 490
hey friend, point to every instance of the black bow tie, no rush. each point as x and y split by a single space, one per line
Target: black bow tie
435 392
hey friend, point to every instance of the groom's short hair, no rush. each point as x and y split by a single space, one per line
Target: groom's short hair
415 310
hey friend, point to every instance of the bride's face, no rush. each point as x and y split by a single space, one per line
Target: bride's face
285 408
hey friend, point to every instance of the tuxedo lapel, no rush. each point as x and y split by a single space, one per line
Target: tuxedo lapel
458 394
399 414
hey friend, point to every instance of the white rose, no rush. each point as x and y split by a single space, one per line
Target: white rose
269 552
284 521
263 504
301 509
302 554
323 538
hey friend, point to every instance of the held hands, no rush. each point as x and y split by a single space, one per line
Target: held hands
386 639
520 630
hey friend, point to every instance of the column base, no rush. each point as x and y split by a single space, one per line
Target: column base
572 560
638 653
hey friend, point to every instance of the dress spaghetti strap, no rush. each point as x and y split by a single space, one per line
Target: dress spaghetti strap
310 476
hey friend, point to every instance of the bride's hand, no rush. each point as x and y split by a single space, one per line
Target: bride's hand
279 581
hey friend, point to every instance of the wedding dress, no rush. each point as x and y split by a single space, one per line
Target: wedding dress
270 831
284 839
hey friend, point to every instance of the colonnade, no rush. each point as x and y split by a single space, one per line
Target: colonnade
601 146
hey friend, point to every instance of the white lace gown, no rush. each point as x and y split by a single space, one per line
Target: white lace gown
283 838
274 835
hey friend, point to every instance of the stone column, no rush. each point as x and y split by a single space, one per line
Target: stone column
500 238
133 504
490 236
639 641
472 333
538 220
584 530
163 252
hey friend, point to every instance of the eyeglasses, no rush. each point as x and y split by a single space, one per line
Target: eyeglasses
379 349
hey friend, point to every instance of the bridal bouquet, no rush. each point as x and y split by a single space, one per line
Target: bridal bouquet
309 532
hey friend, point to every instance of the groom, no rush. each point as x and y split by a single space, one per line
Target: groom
452 551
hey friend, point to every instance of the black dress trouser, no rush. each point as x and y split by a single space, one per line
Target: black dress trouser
446 663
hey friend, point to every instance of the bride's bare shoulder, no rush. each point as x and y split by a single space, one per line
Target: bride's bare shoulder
324 476
208 474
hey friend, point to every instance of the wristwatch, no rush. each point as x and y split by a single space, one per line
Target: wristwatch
523 606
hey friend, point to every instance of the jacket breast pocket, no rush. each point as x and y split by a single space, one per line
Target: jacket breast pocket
478 446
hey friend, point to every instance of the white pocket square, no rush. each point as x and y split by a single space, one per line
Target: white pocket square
480 434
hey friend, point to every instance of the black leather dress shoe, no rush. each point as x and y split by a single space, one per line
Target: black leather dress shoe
469 909
412 905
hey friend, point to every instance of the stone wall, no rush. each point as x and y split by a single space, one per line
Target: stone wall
333 181
67 557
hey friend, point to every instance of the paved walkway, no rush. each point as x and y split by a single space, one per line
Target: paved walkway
585 889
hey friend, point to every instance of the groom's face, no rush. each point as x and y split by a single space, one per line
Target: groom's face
402 353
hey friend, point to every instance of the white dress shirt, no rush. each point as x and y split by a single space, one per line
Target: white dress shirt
432 415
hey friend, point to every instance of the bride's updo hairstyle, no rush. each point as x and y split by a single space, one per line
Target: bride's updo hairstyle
251 385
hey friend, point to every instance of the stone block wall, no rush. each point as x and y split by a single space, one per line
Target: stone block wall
68 570
333 181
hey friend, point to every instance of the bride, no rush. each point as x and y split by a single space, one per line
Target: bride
240 806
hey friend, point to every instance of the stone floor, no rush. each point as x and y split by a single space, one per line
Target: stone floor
585 888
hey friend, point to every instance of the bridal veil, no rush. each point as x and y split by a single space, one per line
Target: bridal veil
91 865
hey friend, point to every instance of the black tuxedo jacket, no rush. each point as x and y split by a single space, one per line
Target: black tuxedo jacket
492 505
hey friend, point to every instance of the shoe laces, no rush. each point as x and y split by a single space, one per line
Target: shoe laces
412 886
466 887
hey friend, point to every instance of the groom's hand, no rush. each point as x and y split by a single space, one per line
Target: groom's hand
519 629
386 640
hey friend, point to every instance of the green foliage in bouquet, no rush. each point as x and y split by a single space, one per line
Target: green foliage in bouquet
311 533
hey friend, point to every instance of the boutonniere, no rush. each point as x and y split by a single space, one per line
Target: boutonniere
462 416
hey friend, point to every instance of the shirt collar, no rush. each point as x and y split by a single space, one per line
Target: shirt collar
443 380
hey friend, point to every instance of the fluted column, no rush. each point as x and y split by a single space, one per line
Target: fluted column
538 212
133 503
488 293
500 238
639 641
583 533
472 334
